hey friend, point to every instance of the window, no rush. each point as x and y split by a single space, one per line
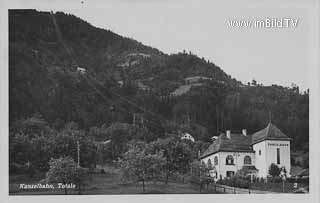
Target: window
278 156
259 152
209 164
229 160
247 160
215 160
230 174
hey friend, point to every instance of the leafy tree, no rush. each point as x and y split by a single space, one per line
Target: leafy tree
64 170
200 174
254 82
243 172
31 126
30 142
19 151
199 146
71 126
42 151
274 170
65 144
176 152
138 165
99 133
119 135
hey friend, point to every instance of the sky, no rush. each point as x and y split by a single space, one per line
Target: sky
269 55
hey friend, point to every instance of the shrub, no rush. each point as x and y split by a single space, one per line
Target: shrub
274 170
277 179
235 182
241 183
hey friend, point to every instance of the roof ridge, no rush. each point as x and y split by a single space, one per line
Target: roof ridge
268 129
269 132
239 143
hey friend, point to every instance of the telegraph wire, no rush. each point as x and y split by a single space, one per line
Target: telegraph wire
69 51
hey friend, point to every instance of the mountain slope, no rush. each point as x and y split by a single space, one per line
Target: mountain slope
122 76
43 45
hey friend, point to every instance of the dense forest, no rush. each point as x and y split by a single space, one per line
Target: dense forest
126 83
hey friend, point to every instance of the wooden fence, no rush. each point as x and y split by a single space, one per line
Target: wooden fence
234 190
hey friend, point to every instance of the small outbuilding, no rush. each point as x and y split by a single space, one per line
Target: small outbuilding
187 136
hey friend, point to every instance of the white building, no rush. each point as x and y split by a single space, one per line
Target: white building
187 136
81 70
231 152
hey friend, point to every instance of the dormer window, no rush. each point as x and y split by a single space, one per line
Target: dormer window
229 160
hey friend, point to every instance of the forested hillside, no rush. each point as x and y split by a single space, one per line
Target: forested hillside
124 77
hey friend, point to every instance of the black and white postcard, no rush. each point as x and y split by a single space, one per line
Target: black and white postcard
154 98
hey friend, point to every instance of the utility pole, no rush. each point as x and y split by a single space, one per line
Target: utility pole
144 134
134 118
78 150
200 176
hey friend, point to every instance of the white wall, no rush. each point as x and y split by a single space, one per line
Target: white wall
260 160
238 157
271 149
238 161
211 157
269 155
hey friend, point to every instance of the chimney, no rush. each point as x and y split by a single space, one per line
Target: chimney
244 132
228 134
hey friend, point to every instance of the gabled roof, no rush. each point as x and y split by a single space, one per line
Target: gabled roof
236 143
240 143
271 132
